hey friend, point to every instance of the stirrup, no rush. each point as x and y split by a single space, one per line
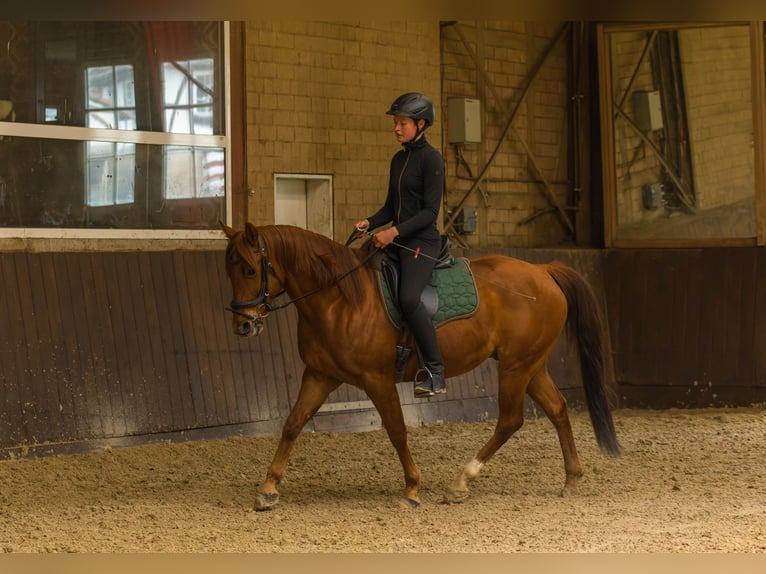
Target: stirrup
429 386
424 388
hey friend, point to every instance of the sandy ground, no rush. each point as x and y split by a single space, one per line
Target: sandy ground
689 481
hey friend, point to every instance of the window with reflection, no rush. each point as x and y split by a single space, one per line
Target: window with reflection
134 125
682 161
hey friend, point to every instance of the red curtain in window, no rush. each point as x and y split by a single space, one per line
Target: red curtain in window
167 42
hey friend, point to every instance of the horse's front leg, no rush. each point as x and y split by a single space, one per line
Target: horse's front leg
385 397
314 390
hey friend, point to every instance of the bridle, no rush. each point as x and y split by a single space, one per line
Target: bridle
262 299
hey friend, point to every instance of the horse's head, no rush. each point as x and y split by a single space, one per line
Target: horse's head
252 280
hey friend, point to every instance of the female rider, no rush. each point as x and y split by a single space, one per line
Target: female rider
415 187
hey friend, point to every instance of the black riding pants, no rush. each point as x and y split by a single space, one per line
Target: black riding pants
415 273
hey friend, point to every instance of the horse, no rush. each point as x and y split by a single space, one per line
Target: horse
344 336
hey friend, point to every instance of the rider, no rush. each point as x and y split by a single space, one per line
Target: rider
415 187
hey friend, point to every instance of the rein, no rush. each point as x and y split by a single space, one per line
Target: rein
262 299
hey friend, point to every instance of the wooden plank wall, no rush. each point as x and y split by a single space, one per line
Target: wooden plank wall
118 345
688 325
104 345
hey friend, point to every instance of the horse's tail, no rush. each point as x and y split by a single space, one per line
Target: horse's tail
584 324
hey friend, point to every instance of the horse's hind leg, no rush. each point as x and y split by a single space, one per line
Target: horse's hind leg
314 390
511 391
544 392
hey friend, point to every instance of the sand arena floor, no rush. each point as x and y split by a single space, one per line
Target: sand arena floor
688 482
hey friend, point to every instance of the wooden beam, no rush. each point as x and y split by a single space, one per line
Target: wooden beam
533 167
683 191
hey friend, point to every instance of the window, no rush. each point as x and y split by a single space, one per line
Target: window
682 133
188 94
110 103
114 126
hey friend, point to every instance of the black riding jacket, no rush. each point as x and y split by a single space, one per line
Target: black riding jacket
415 187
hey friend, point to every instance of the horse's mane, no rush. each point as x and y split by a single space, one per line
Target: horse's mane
305 252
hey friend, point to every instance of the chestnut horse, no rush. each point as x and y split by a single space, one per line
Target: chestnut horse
344 336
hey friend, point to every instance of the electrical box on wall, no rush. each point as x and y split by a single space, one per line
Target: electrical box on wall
467 220
463 120
647 110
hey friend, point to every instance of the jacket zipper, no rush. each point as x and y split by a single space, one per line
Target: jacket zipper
399 188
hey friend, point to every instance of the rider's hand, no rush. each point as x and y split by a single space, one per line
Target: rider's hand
385 237
361 227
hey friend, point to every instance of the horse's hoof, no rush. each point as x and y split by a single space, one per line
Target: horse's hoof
454 499
409 503
568 491
266 500
455 495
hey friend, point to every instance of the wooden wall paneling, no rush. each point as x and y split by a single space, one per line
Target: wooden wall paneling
231 370
162 361
56 349
42 407
91 378
136 341
112 375
125 371
619 276
172 307
759 319
694 309
170 326
194 359
656 335
675 275
736 329
196 282
91 322
71 381
244 386
12 356
710 290
256 364
741 322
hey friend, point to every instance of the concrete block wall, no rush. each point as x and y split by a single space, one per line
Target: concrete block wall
507 52
317 93
717 82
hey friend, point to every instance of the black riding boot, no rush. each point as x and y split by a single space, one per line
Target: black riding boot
425 337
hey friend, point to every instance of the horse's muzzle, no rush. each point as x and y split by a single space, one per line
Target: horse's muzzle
248 327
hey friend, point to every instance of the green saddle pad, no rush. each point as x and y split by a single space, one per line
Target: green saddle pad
455 287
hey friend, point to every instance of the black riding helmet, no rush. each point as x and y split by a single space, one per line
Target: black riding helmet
416 106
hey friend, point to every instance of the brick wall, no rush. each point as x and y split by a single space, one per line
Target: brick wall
717 80
507 52
317 93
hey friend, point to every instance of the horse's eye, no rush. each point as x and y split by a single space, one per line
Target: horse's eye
249 272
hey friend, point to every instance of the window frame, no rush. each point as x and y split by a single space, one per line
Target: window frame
608 157
84 134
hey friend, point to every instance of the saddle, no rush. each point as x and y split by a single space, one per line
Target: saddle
389 270
450 294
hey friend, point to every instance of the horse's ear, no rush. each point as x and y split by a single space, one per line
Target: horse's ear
251 234
229 231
